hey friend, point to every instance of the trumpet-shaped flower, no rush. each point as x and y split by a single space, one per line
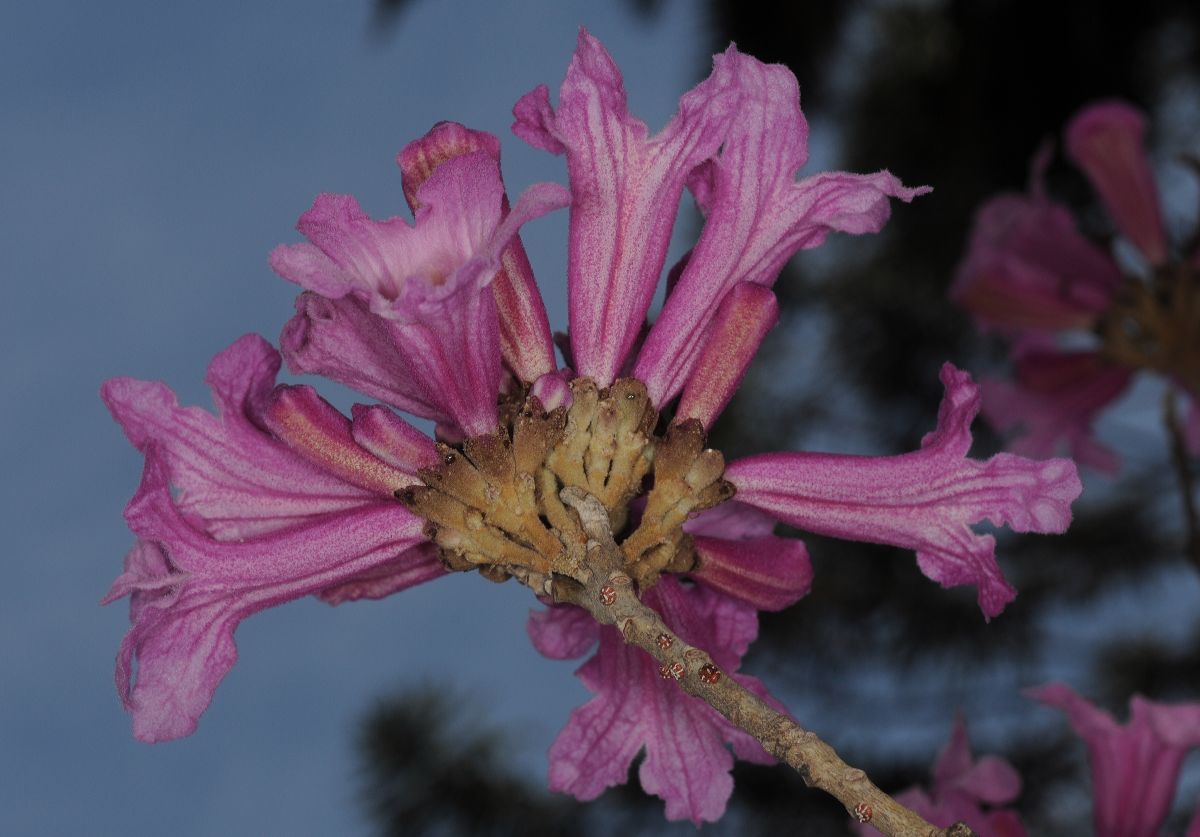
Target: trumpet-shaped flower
280 495
1134 766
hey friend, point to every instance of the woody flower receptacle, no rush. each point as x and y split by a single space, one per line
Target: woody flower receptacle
495 504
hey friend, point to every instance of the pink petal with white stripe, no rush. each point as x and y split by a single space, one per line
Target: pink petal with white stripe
626 189
525 342
926 500
757 214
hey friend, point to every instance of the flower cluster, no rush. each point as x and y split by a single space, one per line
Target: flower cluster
279 495
1030 274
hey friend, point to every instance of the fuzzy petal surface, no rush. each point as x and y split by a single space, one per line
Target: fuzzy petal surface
926 500
1107 141
231 519
1135 766
626 188
342 340
757 214
687 761
525 342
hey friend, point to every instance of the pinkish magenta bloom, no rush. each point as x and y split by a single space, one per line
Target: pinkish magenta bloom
687 762
1106 140
428 284
1030 273
1027 267
925 500
967 790
1051 405
232 519
1135 766
625 189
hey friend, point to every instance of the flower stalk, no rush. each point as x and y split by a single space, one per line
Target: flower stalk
609 595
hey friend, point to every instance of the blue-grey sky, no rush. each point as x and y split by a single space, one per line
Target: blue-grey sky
151 155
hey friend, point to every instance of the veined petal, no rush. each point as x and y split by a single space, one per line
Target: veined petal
746 314
525 342
925 500
231 473
626 191
757 215
1135 766
1106 140
740 555
687 763
342 340
1053 402
192 591
392 439
1028 267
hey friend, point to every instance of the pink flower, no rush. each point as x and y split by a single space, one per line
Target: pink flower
1031 274
925 501
962 786
281 495
260 519
1134 766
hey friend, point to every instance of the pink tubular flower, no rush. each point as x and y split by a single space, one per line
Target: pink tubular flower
1134 766
427 284
925 500
962 786
259 520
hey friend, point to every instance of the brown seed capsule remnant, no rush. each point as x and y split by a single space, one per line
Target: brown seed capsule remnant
608 595
664 641
863 812
710 674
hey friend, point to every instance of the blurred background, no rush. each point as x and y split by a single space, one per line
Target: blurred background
153 154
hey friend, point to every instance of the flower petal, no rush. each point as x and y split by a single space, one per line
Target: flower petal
1028 267
342 340
1053 402
525 342
231 473
626 190
562 632
1106 140
1135 766
758 216
925 500
199 589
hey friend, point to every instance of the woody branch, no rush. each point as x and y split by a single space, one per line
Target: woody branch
606 591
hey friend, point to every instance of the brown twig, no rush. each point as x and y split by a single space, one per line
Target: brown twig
1183 474
607 592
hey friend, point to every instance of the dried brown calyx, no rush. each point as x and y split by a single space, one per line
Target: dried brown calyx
494 504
